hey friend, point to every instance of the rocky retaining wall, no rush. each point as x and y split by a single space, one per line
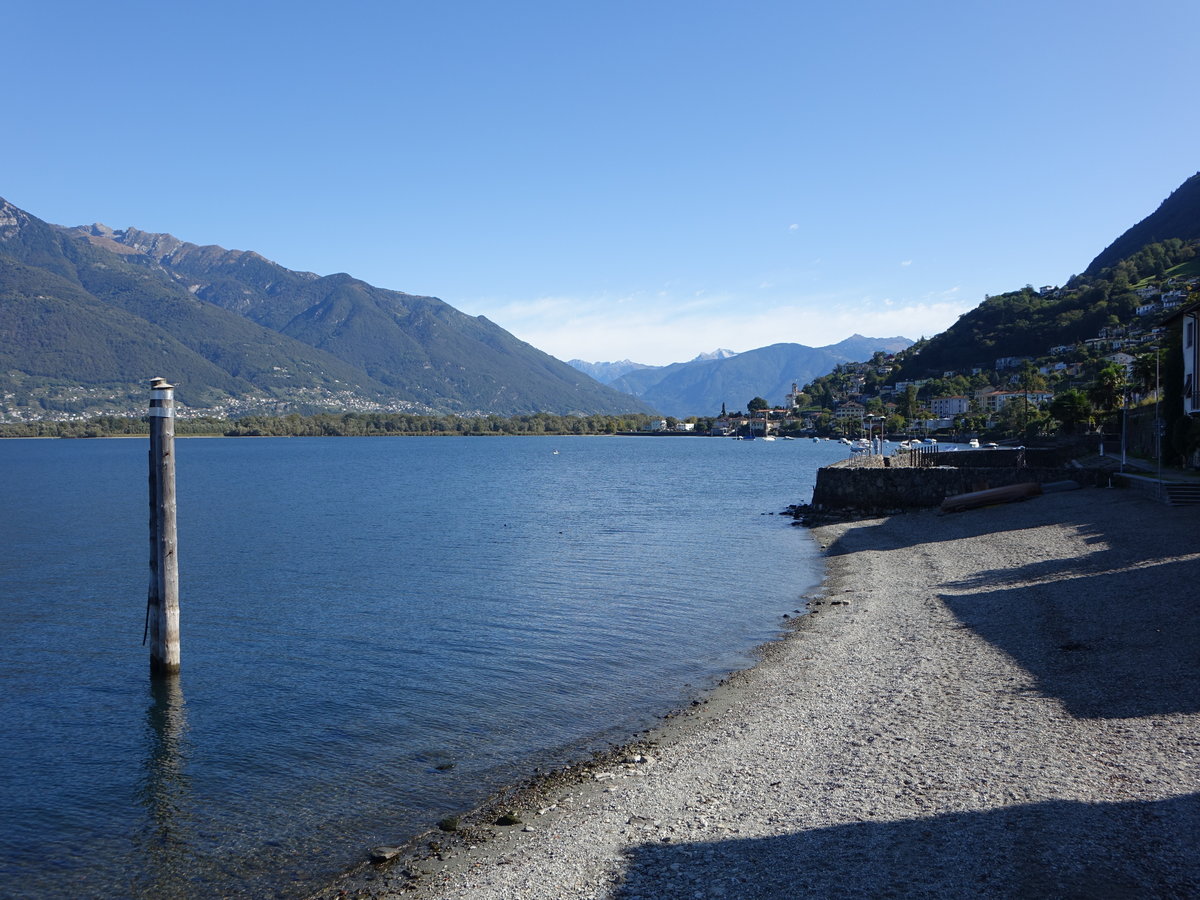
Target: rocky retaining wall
872 489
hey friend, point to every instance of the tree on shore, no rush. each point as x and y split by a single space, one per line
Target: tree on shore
1073 411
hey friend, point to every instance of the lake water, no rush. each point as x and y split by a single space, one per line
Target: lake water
376 633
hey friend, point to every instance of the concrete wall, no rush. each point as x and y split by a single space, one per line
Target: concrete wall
870 488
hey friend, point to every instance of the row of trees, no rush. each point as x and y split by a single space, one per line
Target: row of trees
339 424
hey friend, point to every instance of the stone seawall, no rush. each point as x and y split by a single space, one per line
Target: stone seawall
875 488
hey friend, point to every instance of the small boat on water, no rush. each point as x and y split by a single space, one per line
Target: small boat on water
769 437
973 443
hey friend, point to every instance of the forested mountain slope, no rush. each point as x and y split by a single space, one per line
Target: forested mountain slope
1028 322
89 314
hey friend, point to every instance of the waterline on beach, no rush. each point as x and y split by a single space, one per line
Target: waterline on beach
375 634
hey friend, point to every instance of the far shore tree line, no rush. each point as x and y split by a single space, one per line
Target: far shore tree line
355 424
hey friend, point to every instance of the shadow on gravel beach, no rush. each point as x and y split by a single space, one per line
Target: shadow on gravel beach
1108 639
1055 849
1111 633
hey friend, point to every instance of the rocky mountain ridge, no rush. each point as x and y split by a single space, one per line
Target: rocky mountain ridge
88 314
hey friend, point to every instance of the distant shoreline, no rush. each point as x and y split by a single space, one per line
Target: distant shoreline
441 434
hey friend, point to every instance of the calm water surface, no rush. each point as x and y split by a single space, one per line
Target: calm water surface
357 616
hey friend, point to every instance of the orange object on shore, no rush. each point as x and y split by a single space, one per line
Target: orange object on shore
991 496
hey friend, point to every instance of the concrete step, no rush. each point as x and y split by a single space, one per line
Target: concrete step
1182 493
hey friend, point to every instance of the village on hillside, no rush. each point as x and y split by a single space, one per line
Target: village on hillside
1071 388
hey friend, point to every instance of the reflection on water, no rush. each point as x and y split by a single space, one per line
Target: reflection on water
165 792
358 613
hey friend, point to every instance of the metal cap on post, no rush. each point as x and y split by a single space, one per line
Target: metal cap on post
163 598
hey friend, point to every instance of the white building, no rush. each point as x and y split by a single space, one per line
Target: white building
948 407
850 410
1122 359
994 401
1010 362
1191 359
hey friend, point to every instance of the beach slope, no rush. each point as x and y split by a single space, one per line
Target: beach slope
1001 702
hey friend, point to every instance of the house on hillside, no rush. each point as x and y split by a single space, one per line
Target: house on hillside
1010 362
948 407
1190 346
1122 359
1174 299
849 410
994 401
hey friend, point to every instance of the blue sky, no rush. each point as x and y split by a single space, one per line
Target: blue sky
608 180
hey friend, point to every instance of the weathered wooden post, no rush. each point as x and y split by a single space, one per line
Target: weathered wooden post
163 599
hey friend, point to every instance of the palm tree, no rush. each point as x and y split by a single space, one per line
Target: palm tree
1107 390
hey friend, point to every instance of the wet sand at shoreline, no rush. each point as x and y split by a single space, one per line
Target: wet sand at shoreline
1002 702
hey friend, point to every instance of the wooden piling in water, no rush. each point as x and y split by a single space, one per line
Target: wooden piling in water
163 598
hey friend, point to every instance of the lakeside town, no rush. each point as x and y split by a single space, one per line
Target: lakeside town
1071 388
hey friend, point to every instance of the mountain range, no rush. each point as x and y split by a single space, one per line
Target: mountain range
608 372
701 386
89 314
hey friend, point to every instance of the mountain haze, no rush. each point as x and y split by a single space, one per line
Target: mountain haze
606 372
89 314
701 386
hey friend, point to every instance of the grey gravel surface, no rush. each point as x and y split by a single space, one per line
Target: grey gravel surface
1003 702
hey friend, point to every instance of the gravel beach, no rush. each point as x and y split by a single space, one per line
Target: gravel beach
1003 702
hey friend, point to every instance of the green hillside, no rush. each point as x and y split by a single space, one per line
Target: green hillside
417 348
1028 322
1176 217
88 315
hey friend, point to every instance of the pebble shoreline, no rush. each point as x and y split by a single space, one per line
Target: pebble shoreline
1003 702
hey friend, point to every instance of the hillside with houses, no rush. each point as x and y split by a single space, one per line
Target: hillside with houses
1113 351
1067 387
1123 377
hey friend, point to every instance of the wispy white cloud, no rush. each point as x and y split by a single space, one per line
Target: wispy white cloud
906 263
653 329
